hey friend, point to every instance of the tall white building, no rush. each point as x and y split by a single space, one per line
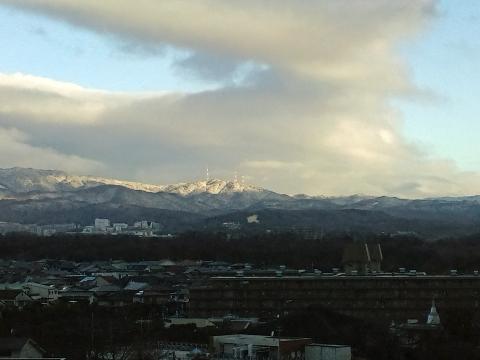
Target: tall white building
102 224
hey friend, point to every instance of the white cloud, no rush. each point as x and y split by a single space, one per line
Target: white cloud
316 119
15 151
46 100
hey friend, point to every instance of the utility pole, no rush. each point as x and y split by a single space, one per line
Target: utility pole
92 337
278 336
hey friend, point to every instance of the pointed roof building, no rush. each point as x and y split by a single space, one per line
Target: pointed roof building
433 317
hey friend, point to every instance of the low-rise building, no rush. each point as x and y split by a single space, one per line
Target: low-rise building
152 296
119 227
77 295
15 297
144 224
197 322
20 348
259 347
41 292
327 352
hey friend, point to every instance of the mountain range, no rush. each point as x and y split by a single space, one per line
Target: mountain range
51 196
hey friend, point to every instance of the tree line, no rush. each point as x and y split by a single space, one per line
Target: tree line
286 248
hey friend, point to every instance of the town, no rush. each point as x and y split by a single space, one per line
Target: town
100 226
239 180
217 309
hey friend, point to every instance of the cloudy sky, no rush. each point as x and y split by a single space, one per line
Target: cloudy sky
300 96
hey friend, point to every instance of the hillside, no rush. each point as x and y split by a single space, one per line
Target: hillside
50 196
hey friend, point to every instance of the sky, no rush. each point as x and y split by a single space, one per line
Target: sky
299 96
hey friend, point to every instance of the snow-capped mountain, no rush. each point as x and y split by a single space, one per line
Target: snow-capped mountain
21 180
39 195
51 196
213 186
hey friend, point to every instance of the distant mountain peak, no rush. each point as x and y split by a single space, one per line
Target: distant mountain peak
32 196
212 186
24 180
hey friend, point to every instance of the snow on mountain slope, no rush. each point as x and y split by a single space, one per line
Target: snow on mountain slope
49 188
214 186
22 180
49 195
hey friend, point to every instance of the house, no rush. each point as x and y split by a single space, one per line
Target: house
135 286
41 292
16 297
76 295
20 348
97 280
233 324
106 289
197 322
88 282
259 347
183 351
114 299
155 295
138 267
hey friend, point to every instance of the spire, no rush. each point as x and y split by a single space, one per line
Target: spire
433 317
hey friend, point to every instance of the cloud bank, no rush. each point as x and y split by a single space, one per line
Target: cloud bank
311 112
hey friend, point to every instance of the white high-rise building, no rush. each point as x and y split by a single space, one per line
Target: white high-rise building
102 224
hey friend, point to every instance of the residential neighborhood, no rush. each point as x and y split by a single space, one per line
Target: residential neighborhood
113 283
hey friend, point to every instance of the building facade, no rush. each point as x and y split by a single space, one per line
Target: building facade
259 347
377 297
